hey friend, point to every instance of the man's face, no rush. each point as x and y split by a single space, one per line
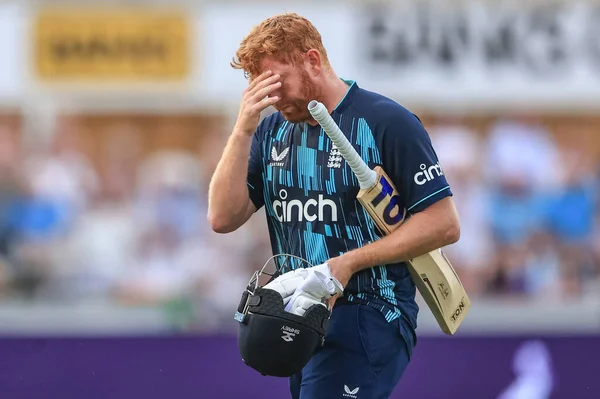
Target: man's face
296 91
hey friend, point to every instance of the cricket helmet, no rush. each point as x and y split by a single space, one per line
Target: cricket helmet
270 340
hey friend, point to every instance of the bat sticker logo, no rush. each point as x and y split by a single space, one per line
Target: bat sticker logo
458 311
426 281
443 290
387 190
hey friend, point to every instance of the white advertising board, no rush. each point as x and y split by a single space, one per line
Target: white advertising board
547 54
434 54
13 24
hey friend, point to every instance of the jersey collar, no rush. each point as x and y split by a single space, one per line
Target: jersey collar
348 97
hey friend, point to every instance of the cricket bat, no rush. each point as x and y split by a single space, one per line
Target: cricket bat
433 274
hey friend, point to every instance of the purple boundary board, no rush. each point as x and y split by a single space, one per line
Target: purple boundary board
210 367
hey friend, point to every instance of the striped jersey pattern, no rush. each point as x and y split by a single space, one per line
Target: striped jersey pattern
309 192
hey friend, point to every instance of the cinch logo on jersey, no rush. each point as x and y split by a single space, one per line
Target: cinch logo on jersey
427 174
297 211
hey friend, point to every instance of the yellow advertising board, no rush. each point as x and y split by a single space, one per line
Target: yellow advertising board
111 45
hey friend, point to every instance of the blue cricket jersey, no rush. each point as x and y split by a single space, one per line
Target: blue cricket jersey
309 192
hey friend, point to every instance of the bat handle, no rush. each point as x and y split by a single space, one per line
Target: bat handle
366 176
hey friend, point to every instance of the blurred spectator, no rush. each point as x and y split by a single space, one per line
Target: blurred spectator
100 247
59 182
157 273
459 150
596 249
542 276
596 231
11 192
168 208
169 184
11 188
521 165
521 152
571 219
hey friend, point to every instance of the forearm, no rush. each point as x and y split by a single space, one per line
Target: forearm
424 232
228 190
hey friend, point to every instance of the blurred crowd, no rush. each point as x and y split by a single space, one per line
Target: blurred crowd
134 233
529 208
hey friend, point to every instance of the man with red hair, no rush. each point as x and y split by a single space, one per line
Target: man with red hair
288 164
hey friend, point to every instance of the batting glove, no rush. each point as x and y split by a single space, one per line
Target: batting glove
316 287
287 283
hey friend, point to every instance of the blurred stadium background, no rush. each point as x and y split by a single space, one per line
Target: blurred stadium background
114 114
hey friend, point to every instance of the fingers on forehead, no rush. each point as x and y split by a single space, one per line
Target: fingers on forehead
262 76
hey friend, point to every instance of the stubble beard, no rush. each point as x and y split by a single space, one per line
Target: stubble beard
309 91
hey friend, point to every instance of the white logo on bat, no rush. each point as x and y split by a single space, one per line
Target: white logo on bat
426 173
350 393
277 159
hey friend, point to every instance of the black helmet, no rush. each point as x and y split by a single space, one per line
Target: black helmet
272 341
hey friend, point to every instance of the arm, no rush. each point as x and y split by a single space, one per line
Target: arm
434 227
229 204
410 161
229 200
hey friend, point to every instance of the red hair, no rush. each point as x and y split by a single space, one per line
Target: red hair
284 36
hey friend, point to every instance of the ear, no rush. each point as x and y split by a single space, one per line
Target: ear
313 62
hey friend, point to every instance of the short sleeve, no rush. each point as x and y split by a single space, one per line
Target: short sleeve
411 162
255 179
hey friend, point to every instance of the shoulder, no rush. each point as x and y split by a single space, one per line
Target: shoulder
383 113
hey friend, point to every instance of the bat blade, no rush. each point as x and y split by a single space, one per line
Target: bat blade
433 274
441 288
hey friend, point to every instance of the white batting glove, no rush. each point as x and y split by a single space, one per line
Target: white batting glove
318 286
287 283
